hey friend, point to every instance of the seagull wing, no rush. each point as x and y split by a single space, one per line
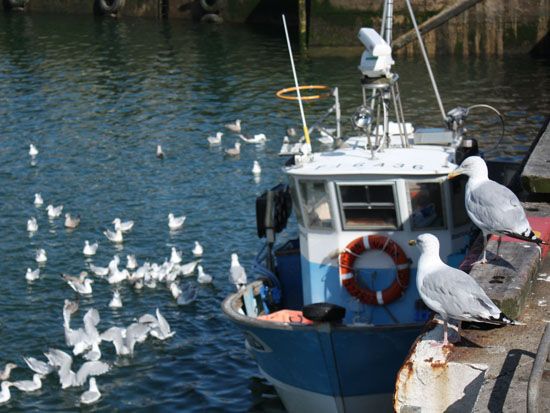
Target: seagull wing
148 319
496 209
91 368
38 366
237 275
59 358
187 269
136 332
163 324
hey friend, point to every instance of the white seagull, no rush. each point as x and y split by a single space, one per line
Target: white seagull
99 271
235 151
41 256
131 262
5 394
72 222
89 249
492 207
123 226
235 126
33 151
175 256
116 301
175 222
32 225
91 395
188 269
81 284
215 140
160 153
237 274
162 330
124 339
256 168
40 367
197 249
256 139
115 237
38 201
32 275
29 385
67 377
54 212
203 278
5 374
451 292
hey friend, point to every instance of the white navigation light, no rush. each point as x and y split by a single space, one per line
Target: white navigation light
376 60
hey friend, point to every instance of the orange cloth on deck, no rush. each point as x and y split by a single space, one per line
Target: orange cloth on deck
286 316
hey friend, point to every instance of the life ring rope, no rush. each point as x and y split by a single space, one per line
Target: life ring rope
349 280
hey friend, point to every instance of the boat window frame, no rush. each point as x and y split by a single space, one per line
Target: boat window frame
441 181
305 217
293 185
397 209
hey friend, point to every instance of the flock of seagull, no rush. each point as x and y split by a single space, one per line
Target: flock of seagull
85 341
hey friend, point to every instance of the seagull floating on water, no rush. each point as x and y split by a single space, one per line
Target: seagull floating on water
81 284
32 225
32 275
175 256
41 256
162 330
29 385
54 212
131 262
89 249
215 140
123 226
99 271
256 168
197 249
116 301
124 339
203 278
492 207
91 395
38 201
237 274
175 222
256 139
5 374
451 292
40 367
160 153
235 151
33 151
235 126
72 222
115 237
5 394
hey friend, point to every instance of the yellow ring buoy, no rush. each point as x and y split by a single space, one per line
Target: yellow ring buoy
283 93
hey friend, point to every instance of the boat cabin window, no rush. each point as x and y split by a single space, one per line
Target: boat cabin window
458 189
295 200
368 206
316 204
426 205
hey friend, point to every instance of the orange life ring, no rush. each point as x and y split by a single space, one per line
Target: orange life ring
374 242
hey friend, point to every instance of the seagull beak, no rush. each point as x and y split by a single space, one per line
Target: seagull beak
455 173
412 242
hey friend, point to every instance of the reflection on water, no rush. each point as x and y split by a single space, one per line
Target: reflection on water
96 97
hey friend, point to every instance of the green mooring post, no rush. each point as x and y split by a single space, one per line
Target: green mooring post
302 16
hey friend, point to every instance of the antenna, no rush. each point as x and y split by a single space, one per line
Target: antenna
304 124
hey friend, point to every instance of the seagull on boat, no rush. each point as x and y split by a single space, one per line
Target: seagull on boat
32 275
237 274
41 256
89 249
256 168
33 151
124 339
91 395
81 284
72 222
175 222
5 394
131 262
54 212
40 367
197 249
29 385
123 226
326 137
492 207
160 153
32 225
5 374
38 201
67 377
234 127
451 292
203 278
256 139
99 271
175 256
115 237
116 301
215 140
291 132
235 151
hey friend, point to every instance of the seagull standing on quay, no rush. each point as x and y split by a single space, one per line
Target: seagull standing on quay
492 207
237 274
451 292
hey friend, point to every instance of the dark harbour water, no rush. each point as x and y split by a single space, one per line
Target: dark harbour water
96 97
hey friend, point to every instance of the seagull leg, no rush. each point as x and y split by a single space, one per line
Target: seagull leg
498 248
485 240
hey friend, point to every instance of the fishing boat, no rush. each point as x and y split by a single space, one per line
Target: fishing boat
332 314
